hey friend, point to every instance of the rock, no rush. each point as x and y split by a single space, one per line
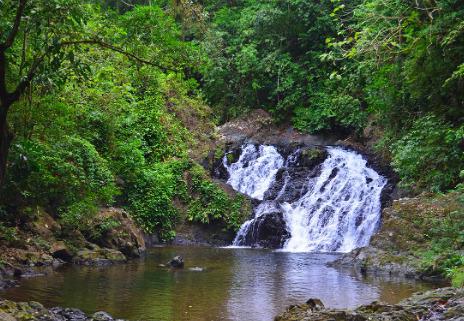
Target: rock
99 257
258 127
101 316
44 225
68 314
59 250
177 262
268 230
441 304
125 236
405 230
315 304
33 311
6 317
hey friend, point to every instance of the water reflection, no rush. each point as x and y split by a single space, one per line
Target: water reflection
237 284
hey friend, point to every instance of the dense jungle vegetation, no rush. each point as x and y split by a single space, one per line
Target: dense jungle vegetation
113 102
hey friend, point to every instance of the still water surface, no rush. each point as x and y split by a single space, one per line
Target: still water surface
235 285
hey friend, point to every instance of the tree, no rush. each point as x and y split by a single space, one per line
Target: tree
34 44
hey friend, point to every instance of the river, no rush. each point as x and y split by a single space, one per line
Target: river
236 284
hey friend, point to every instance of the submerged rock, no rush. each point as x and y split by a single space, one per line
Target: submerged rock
436 305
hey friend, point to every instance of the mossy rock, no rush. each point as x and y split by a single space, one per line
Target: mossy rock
99 257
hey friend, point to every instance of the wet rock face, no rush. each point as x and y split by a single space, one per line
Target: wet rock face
33 311
267 231
436 305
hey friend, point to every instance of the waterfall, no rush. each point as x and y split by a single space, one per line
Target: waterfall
334 206
255 170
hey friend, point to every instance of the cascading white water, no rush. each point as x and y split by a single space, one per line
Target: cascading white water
255 170
339 209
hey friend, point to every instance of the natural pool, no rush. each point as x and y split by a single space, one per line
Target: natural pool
236 284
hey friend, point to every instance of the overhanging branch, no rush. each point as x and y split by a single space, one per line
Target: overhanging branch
25 82
105 45
14 31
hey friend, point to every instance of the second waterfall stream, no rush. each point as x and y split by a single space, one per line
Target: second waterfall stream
334 207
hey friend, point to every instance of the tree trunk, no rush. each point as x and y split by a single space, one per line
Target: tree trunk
5 139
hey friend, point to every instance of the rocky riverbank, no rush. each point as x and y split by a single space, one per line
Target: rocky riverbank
33 311
43 245
435 305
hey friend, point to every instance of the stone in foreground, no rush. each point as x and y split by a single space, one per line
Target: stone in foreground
33 311
436 305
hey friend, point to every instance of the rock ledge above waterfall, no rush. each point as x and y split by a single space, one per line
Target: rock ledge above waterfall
257 127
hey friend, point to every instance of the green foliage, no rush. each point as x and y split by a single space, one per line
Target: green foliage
59 173
456 275
444 255
265 54
100 125
328 111
210 203
429 155
8 234
151 198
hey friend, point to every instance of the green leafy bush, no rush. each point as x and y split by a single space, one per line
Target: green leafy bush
328 111
429 155
8 234
151 198
210 203
68 175
444 255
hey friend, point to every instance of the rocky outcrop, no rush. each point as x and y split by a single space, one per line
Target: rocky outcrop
125 236
189 233
33 311
258 127
406 232
435 305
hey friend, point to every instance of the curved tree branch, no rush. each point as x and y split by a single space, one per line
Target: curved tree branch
105 45
14 31
25 82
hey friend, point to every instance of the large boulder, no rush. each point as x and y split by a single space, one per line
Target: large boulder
124 236
268 230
